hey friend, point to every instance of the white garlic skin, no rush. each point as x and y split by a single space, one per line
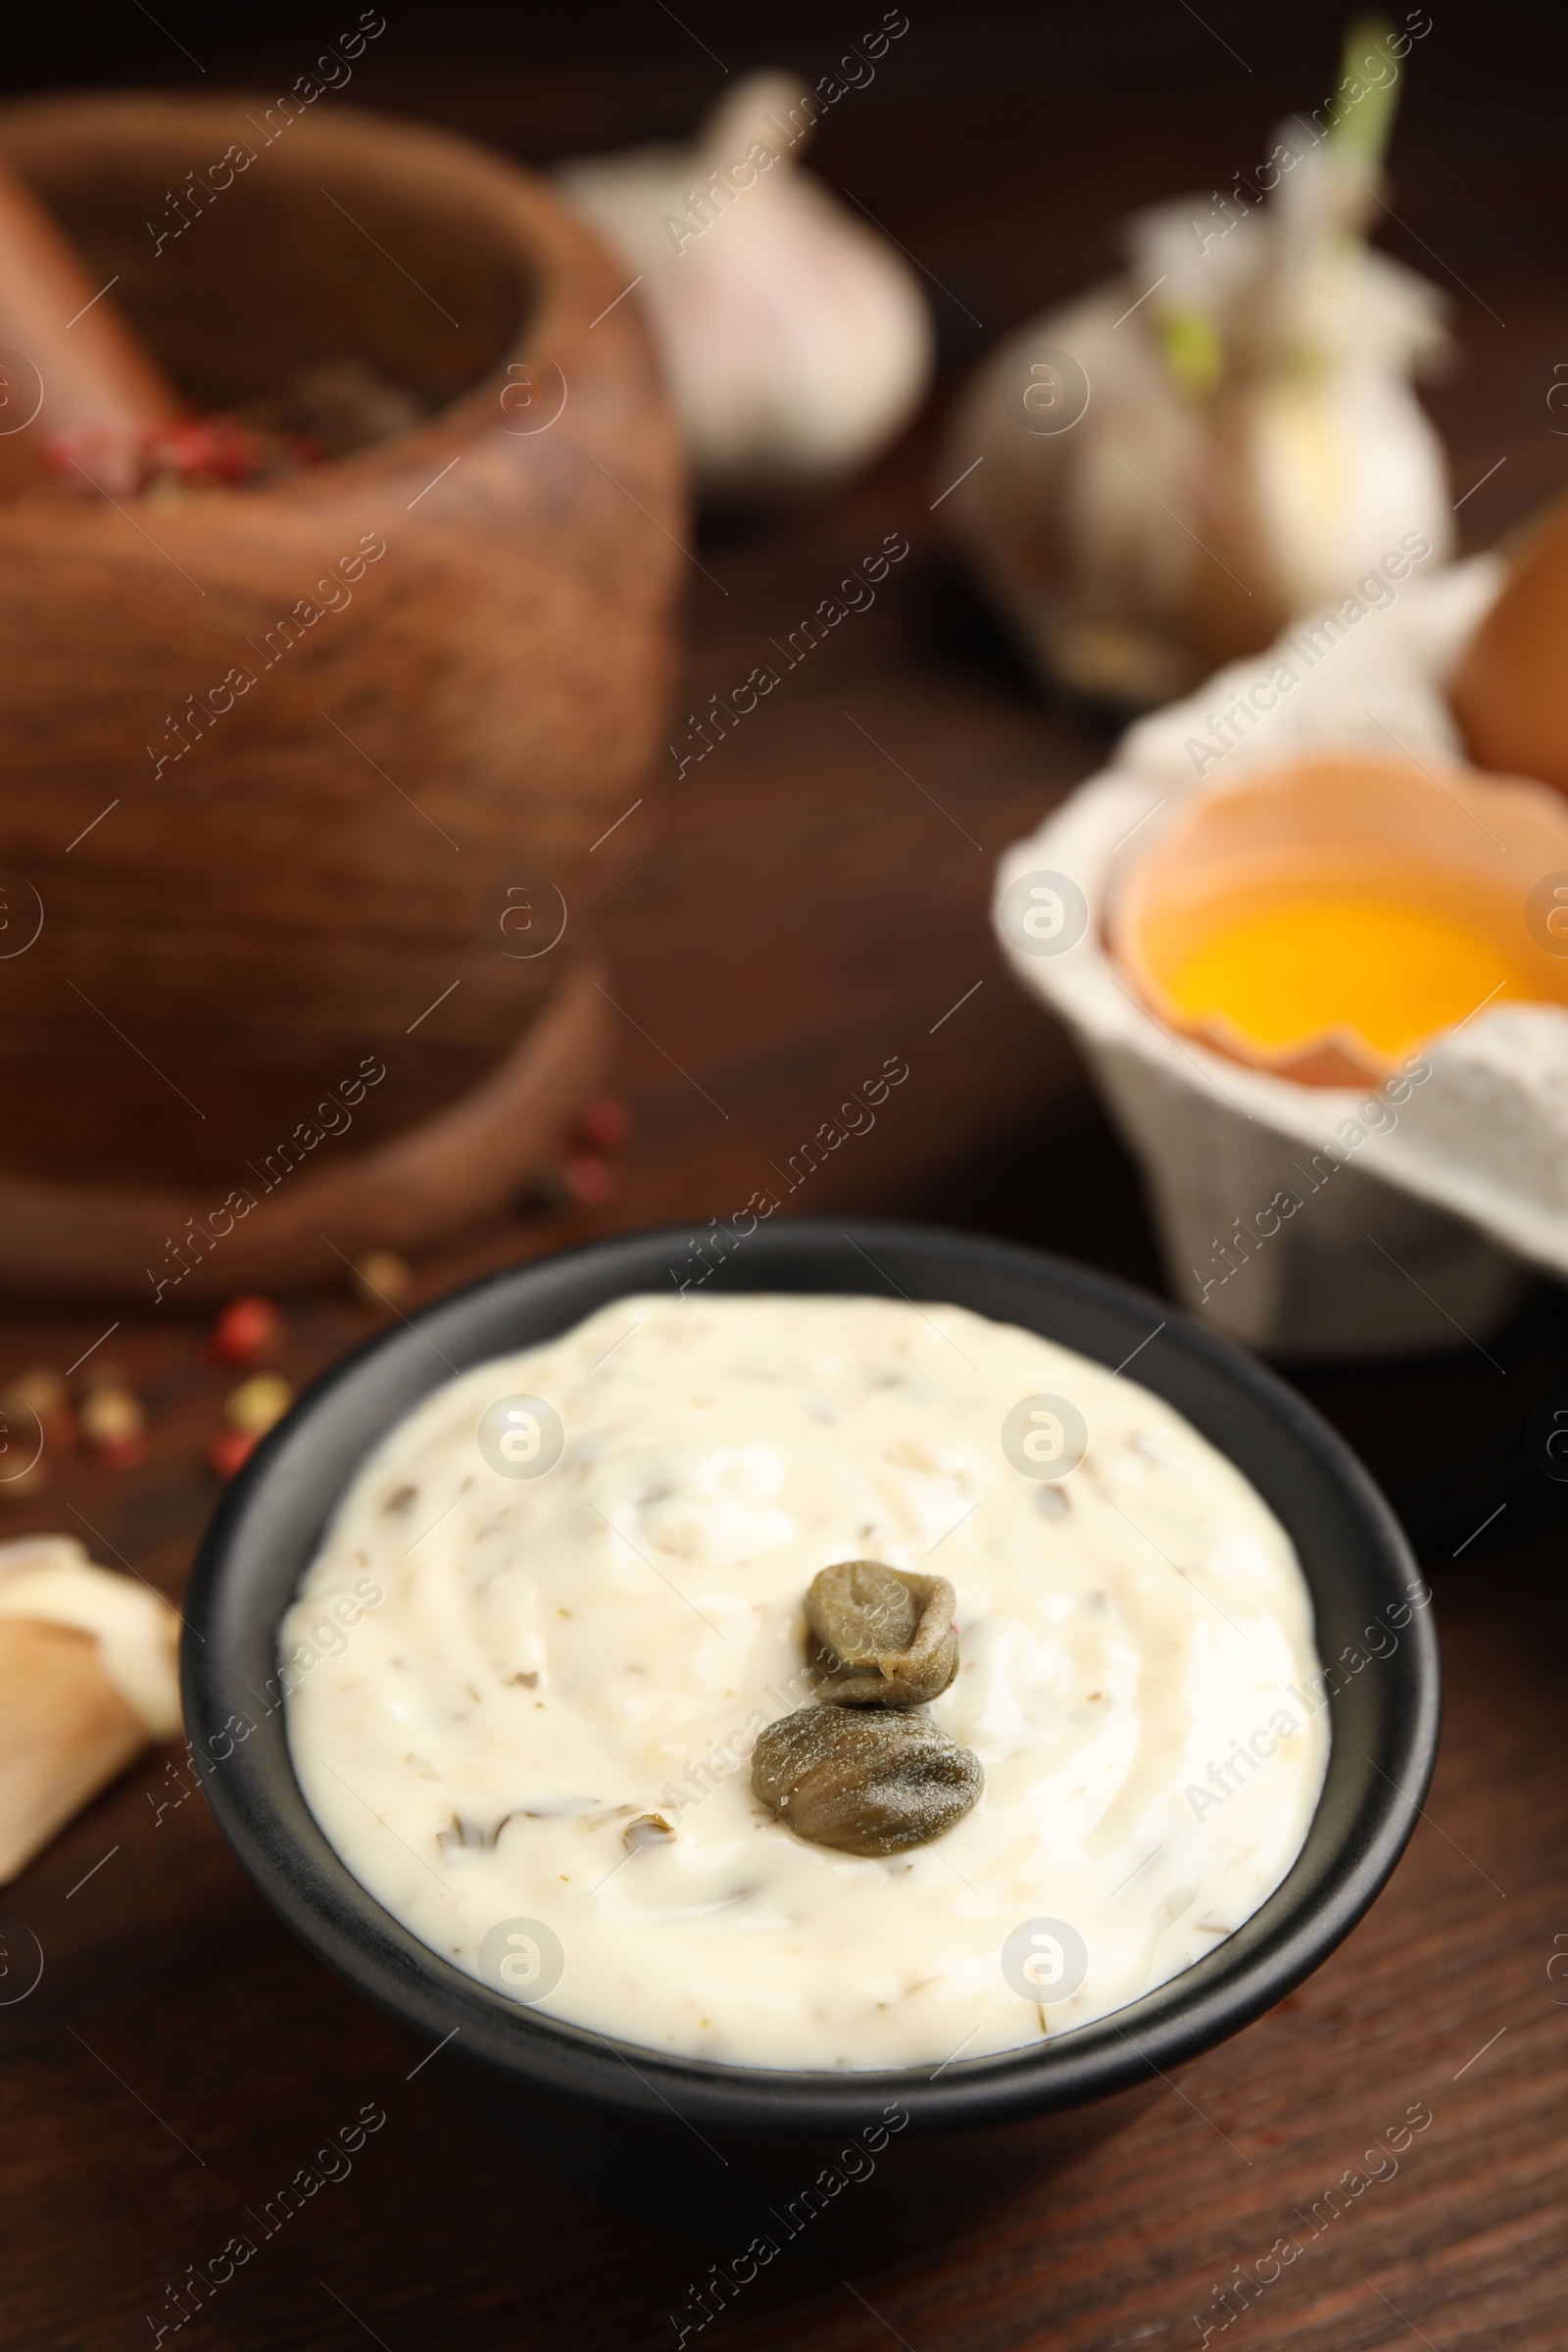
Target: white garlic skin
795 339
1346 466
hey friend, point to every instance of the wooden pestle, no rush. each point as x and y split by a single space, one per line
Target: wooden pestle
68 363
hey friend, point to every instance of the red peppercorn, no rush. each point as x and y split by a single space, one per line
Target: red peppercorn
245 1330
232 1448
589 1179
122 1454
605 1124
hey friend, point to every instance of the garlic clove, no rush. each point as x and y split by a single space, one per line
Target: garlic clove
65 1732
137 1630
797 339
87 1678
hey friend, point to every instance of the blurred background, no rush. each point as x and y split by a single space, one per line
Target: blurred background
805 903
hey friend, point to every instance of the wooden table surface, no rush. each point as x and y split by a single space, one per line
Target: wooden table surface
804 911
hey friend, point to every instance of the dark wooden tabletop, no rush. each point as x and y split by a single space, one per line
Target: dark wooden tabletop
801 912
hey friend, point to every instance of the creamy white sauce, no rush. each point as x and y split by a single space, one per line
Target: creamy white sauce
555 1656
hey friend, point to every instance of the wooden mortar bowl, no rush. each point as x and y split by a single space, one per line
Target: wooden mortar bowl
251 893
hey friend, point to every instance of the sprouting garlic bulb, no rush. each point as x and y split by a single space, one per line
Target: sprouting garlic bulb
1231 439
797 340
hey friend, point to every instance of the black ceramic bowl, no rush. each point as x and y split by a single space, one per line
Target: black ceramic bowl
706 2149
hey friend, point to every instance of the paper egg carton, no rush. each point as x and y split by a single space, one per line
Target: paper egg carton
1309 1220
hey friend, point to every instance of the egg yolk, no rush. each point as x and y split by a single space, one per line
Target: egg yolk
1392 972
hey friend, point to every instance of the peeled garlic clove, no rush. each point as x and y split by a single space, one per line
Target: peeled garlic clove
64 1733
87 1678
137 1630
797 339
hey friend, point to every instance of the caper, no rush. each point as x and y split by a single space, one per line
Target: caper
865 1783
887 1637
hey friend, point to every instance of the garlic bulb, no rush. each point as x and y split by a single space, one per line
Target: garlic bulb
796 338
1170 469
